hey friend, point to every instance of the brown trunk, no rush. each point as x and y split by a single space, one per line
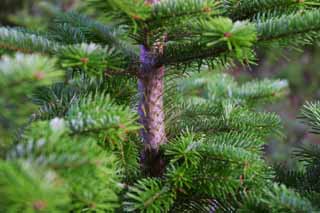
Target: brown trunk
152 118
151 112
151 108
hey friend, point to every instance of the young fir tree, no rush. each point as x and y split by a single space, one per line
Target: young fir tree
185 143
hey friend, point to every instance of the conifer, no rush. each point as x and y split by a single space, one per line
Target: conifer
133 114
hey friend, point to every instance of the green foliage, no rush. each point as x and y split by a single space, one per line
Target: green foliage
20 40
36 189
245 8
278 28
218 103
33 70
20 76
81 150
303 177
311 115
237 35
278 199
95 113
148 195
87 169
124 10
91 59
219 155
181 149
165 11
73 28
69 163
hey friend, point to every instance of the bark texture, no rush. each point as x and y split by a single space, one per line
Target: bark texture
151 108
151 112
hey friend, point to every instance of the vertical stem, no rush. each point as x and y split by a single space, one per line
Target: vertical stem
151 109
151 114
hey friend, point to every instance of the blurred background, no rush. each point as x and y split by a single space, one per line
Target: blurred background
300 68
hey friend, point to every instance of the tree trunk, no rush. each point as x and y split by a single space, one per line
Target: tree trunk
151 114
151 111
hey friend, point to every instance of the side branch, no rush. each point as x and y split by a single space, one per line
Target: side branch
285 26
15 39
303 26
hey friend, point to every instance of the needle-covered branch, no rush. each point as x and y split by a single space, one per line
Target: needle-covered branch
74 28
298 24
23 41
217 37
247 9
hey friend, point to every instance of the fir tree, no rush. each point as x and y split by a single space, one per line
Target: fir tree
176 143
